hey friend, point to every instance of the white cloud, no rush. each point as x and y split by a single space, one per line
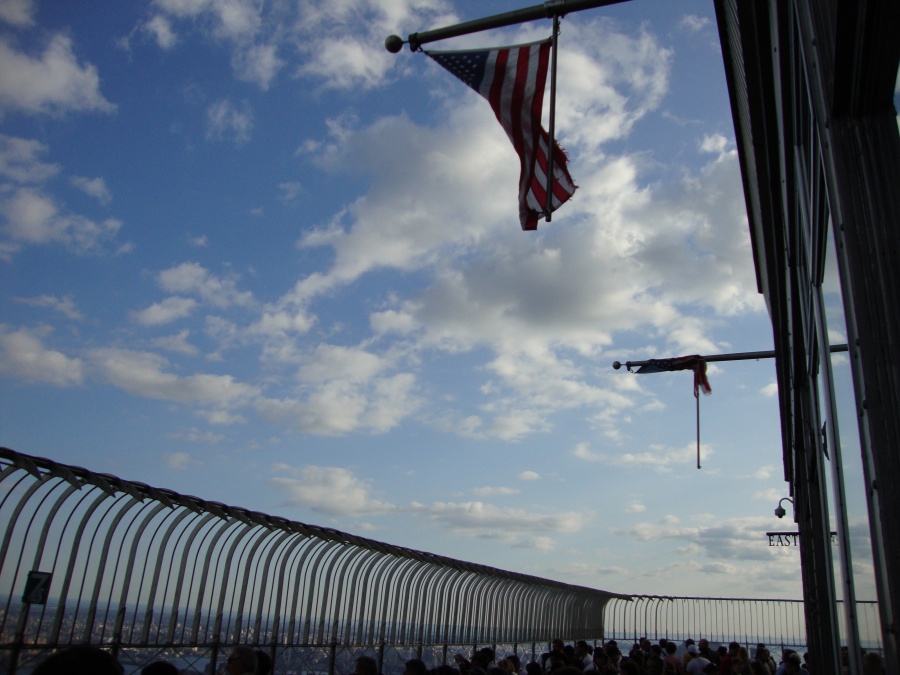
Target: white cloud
65 306
161 30
737 539
540 543
529 475
583 452
195 435
347 63
193 278
144 374
221 417
769 495
714 143
24 356
635 507
765 472
693 23
335 491
628 258
17 12
53 83
660 458
33 218
229 17
167 311
95 187
19 160
258 64
610 80
225 121
336 40
178 460
489 490
770 389
289 191
486 519
342 390
177 343
341 405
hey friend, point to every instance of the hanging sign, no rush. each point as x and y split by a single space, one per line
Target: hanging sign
790 538
37 588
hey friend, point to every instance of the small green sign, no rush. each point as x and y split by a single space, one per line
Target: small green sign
37 588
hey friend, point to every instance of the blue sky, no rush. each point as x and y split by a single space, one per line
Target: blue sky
247 254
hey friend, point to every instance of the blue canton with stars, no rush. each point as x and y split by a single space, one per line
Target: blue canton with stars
467 66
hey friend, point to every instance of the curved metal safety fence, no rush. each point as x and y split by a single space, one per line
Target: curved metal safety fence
148 573
91 558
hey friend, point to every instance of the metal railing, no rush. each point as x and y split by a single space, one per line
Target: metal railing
777 623
89 558
120 564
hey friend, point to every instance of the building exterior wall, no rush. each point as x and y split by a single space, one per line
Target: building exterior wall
811 84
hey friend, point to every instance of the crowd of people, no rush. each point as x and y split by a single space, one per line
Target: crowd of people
643 658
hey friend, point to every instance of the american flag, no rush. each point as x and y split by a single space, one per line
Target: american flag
693 362
512 79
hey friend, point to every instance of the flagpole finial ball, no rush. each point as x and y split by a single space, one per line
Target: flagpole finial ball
616 365
393 43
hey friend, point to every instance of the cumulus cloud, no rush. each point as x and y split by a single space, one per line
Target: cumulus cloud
735 539
195 435
488 490
488 519
177 343
343 402
660 458
227 121
17 12
253 32
166 311
161 30
20 160
33 218
693 23
145 374
582 451
192 278
630 257
258 63
23 355
50 83
65 306
334 491
95 187
529 475
177 460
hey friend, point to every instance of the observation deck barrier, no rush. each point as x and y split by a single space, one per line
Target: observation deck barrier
147 573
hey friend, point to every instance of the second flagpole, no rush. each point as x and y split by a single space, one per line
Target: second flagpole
548 205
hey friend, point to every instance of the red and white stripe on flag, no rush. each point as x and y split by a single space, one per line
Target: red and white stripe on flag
513 79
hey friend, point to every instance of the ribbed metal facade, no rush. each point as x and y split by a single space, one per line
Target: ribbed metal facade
811 85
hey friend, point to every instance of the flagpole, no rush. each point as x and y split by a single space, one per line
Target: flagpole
696 396
548 207
737 356
551 8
